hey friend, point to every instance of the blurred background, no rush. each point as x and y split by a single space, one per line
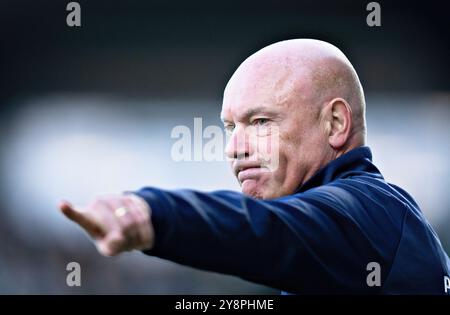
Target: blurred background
90 110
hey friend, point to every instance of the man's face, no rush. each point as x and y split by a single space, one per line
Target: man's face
275 139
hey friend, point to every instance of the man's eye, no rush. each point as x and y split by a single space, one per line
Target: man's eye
229 128
260 121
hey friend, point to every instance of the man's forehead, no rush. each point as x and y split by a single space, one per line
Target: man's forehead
241 113
250 99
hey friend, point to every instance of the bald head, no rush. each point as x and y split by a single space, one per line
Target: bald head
310 70
311 93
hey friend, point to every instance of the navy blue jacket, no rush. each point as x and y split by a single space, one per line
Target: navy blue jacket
318 240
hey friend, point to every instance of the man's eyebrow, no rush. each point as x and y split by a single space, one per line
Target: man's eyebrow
258 110
253 111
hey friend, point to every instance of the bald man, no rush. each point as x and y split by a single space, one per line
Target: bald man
322 219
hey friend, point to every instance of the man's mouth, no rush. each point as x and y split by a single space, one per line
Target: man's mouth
244 171
249 173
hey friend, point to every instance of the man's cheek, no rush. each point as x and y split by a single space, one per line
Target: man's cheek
269 152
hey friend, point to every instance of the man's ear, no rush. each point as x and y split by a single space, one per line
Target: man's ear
338 121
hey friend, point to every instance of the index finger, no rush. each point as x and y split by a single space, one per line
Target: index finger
86 221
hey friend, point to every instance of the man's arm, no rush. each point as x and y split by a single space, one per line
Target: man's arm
305 242
301 243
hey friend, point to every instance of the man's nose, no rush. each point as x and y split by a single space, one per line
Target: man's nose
238 146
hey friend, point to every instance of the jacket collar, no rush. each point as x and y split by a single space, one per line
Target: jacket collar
357 161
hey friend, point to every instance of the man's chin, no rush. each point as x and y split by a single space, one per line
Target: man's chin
251 188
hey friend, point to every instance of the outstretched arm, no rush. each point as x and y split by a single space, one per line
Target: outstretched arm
299 243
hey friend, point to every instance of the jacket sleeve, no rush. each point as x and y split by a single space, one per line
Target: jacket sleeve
299 243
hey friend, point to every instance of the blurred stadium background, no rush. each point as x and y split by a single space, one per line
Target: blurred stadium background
89 111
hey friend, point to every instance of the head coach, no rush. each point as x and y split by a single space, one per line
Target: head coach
317 223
